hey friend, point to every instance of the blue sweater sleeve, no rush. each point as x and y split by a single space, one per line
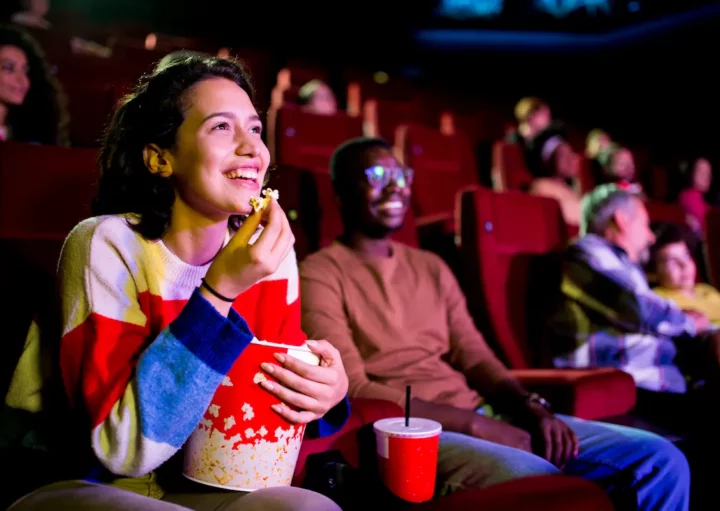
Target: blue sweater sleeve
175 380
332 422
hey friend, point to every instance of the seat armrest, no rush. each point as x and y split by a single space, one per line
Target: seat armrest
585 393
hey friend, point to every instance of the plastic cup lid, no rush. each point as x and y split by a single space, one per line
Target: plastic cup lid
419 428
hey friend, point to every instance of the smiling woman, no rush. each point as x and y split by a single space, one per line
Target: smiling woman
32 107
194 116
162 292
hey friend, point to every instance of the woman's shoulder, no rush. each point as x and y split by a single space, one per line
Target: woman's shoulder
106 226
108 231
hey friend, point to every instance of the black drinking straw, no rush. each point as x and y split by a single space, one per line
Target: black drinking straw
407 406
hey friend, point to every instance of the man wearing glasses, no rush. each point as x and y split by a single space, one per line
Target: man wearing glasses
398 317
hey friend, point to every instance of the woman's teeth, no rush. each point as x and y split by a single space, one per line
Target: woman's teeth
242 174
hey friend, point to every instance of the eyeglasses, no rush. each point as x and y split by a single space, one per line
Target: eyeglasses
379 176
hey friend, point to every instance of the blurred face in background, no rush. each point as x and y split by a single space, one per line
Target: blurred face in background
675 267
538 120
322 101
566 161
623 165
702 175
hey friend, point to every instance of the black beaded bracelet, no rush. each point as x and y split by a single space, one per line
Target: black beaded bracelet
216 294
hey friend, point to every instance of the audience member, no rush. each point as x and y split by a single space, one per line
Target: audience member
675 273
597 150
555 177
316 97
533 116
32 106
698 176
535 128
597 142
154 303
32 14
618 165
398 317
610 317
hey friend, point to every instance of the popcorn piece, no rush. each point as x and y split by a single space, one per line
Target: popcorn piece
248 412
256 204
259 377
259 204
269 192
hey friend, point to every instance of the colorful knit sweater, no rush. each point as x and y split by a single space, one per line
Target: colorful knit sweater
143 352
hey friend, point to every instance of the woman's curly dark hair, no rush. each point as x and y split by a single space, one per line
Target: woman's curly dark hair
42 117
152 114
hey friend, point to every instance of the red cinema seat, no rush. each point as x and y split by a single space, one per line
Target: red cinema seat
509 170
44 190
511 246
382 117
305 140
443 165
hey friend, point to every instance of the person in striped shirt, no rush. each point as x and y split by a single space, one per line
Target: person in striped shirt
163 289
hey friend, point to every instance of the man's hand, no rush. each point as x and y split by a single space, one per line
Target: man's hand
552 438
498 432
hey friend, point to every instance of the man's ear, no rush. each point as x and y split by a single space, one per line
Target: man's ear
157 160
621 218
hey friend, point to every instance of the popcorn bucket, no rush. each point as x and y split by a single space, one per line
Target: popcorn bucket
241 443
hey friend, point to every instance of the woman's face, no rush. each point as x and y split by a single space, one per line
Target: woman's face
14 80
566 161
623 165
323 101
702 175
219 160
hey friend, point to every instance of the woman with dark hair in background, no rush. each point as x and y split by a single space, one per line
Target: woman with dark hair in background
153 299
555 175
697 176
32 106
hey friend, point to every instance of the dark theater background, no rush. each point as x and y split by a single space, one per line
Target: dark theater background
640 68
